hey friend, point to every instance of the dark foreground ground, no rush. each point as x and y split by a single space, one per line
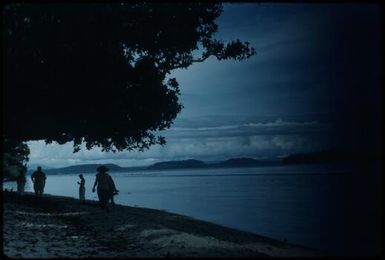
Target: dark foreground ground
57 226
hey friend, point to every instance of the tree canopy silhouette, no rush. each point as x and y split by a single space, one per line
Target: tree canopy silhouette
15 158
98 73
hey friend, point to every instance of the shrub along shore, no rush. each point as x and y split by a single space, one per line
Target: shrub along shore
55 226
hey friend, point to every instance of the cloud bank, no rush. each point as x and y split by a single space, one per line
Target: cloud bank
257 140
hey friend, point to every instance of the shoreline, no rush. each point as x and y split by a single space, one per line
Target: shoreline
58 226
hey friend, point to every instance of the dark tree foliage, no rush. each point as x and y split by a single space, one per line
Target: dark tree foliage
15 158
97 73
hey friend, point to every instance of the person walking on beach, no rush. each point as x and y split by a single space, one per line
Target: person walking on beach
82 188
102 180
21 180
38 178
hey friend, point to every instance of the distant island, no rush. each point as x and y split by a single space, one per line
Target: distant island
178 165
328 156
168 165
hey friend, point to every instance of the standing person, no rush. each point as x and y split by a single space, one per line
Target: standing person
82 188
38 178
113 190
21 180
102 180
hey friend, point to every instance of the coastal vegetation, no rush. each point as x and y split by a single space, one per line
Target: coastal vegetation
89 60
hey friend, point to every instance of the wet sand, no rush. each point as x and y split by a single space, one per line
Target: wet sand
55 226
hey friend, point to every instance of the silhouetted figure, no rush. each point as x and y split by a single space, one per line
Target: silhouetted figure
104 186
38 179
21 180
113 190
82 188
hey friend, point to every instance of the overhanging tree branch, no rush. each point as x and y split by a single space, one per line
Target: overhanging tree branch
96 73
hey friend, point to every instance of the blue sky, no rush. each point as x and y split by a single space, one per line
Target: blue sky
314 81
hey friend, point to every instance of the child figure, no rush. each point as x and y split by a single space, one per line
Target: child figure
82 188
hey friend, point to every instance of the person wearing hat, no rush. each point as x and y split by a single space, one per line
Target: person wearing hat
103 182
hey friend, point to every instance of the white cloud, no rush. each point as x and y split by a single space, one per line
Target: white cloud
276 127
288 142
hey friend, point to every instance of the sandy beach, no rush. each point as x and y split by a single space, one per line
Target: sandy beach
55 226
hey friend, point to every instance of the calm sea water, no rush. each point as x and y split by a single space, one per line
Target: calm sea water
321 206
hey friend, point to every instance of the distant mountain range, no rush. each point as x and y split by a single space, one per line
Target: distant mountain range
329 156
87 168
185 164
177 165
